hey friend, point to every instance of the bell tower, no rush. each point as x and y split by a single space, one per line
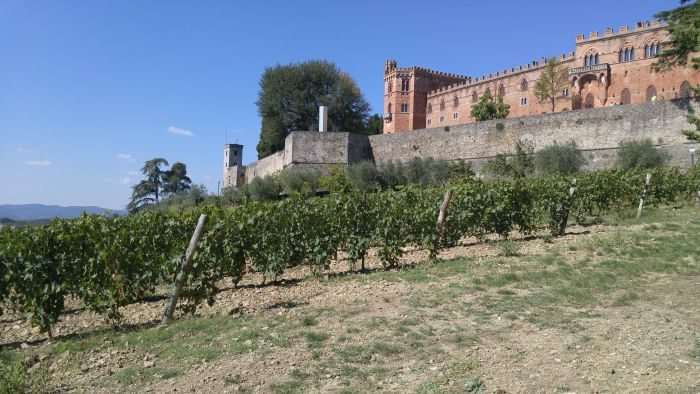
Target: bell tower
234 175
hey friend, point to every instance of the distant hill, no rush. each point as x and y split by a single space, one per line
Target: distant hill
31 212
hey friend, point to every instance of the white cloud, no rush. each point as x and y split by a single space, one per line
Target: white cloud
179 131
24 149
38 163
124 156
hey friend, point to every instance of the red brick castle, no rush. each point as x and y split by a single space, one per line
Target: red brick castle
606 69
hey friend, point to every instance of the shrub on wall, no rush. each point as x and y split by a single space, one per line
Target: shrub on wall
640 155
517 165
558 159
300 181
263 188
364 176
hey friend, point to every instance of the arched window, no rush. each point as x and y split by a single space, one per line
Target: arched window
523 85
596 59
475 97
388 108
586 60
442 104
685 91
647 50
455 102
589 102
651 93
430 108
631 54
501 91
625 97
621 58
405 85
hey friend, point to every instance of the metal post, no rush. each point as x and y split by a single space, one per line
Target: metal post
692 156
323 118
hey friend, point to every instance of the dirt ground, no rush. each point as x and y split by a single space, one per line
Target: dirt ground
604 309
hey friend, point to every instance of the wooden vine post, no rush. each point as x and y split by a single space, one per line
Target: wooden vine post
184 270
647 182
442 218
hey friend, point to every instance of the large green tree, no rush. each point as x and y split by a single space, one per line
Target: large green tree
684 26
488 109
158 182
375 125
176 179
552 81
291 94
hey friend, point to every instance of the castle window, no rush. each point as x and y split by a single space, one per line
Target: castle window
430 108
455 102
388 108
565 92
625 97
591 59
405 85
501 91
442 104
651 93
652 50
685 91
475 97
626 55
455 115
523 85
429 122
404 107
523 101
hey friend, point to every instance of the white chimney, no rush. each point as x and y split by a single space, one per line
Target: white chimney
322 118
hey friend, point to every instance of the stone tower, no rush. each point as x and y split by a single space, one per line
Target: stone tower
406 94
233 165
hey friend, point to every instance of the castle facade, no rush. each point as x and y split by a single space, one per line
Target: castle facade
612 68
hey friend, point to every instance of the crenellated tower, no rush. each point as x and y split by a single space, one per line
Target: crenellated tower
234 175
406 94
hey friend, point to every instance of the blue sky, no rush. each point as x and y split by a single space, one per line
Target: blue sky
90 90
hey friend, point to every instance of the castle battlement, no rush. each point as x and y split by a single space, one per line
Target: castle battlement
489 78
623 30
605 69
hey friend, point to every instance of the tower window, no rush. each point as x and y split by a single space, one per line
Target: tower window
455 115
591 59
388 108
405 85
404 107
565 92
523 101
626 55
